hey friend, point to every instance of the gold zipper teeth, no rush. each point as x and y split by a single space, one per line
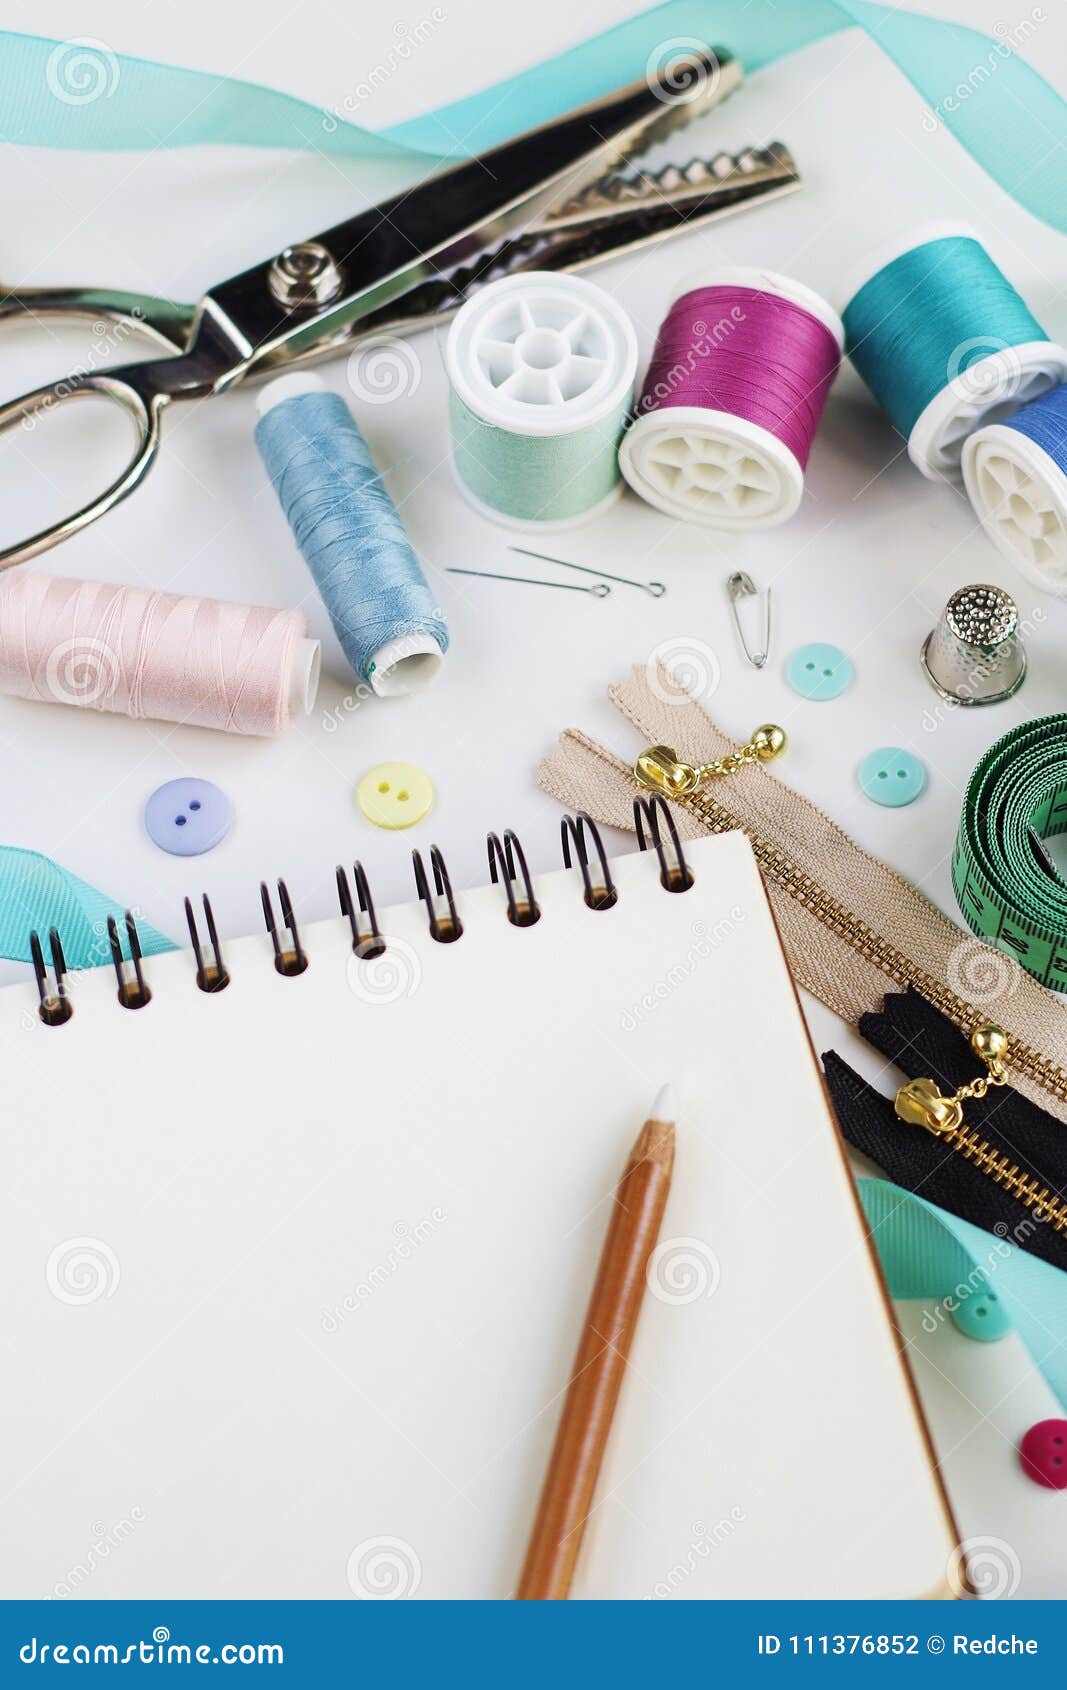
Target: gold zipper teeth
1025 1187
893 963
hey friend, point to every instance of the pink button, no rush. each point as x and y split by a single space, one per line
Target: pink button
1043 1453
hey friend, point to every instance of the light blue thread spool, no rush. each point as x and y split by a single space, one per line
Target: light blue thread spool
945 343
1015 473
350 535
541 369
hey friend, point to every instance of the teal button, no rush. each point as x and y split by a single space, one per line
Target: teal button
982 1316
891 776
819 672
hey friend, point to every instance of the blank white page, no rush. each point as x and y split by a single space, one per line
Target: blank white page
300 1268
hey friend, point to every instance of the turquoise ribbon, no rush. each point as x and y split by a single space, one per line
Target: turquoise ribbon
35 893
929 1254
1006 115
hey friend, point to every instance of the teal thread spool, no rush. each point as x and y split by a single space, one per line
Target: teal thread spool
541 372
945 343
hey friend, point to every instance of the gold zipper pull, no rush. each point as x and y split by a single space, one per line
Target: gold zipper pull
660 768
922 1104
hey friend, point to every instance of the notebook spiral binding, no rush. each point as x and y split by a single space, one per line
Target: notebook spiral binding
582 846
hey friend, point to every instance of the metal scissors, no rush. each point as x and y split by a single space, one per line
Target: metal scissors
551 199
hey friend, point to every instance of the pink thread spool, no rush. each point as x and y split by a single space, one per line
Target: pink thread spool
735 388
201 662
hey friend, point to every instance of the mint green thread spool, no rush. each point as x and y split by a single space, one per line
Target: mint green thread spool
541 372
945 343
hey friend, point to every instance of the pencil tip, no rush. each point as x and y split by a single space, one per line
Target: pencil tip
665 1108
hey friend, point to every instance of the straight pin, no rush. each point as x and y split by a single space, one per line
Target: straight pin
600 591
655 588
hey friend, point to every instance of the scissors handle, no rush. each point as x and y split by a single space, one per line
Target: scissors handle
312 295
145 409
164 321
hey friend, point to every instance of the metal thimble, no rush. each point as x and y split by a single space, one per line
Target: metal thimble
975 654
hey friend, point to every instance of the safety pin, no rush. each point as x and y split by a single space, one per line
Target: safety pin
656 588
600 591
741 586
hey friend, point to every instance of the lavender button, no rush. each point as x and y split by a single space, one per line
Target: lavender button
187 817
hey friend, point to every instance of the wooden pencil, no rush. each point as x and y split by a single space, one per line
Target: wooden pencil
610 1323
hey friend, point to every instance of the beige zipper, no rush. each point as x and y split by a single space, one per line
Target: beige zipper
893 963
660 770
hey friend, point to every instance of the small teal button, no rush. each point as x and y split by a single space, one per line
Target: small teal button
891 776
187 817
819 672
982 1316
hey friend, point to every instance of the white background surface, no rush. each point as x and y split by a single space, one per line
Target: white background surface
867 563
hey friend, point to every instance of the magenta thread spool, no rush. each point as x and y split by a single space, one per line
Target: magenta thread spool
735 388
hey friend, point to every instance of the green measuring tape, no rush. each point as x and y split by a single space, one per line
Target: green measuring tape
1007 886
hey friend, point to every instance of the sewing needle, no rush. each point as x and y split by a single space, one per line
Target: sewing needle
656 588
600 591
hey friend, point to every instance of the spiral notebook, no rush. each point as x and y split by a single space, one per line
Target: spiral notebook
294 1271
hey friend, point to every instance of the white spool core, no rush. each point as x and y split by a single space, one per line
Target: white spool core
405 665
541 354
304 670
711 467
983 393
1019 495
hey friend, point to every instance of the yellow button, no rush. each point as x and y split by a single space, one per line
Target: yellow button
395 795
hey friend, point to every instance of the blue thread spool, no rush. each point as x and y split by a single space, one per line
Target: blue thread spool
945 343
350 535
1015 473
541 374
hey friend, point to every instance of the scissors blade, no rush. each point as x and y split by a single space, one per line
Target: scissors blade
574 239
424 233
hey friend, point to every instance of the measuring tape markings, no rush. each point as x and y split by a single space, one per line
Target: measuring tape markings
1010 894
